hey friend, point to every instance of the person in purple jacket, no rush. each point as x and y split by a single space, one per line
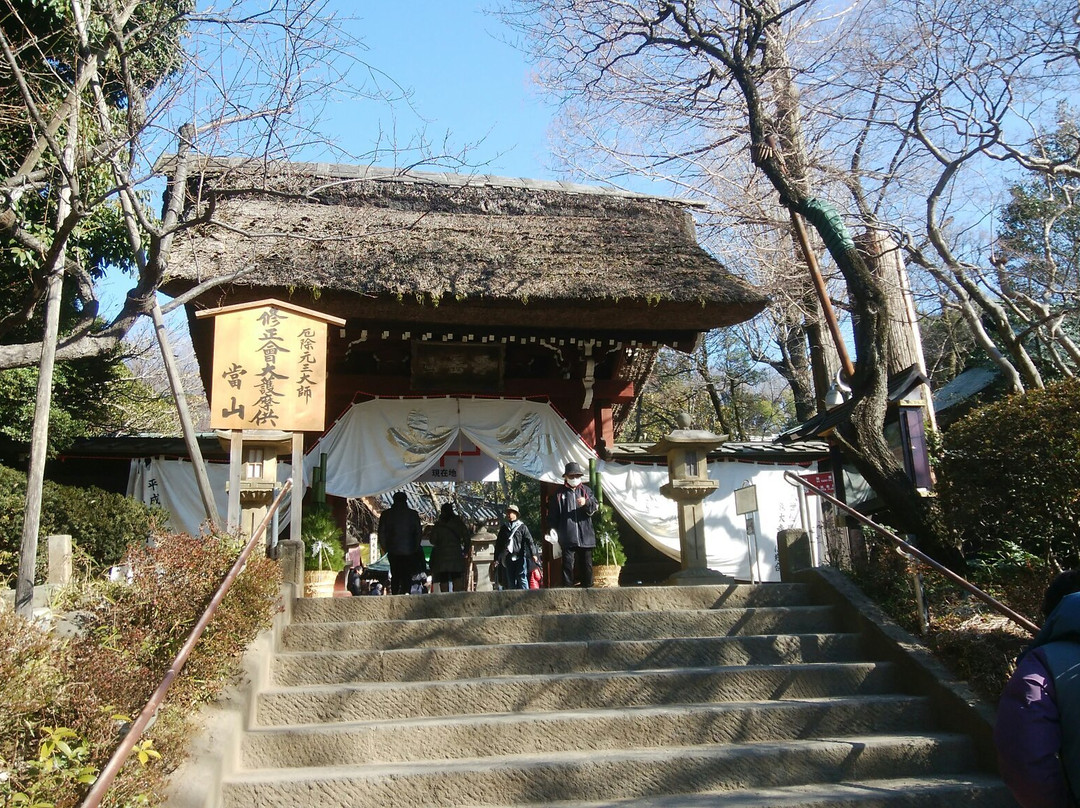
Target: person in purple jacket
1037 734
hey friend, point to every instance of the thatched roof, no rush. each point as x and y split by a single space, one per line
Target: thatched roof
457 241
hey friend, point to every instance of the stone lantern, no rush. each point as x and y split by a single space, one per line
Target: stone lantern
483 559
688 484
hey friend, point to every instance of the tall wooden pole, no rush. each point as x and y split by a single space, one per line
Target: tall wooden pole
39 438
295 513
236 461
823 294
39 443
190 439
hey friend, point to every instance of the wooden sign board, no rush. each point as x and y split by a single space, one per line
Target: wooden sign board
457 368
269 367
745 499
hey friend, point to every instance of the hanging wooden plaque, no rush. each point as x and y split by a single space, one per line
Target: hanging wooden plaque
269 367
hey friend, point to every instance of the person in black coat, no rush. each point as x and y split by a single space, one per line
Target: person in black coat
449 546
515 549
399 538
570 512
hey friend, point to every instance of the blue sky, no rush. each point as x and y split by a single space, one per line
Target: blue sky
465 79
466 82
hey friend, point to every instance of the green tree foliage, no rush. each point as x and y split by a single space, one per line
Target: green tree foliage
102 524
721 388
96 396
43 34
1010 477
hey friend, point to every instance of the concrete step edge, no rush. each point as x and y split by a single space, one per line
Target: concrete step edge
584 714
292 667
866 792
628 614
548 678
287 654
594 758
314 610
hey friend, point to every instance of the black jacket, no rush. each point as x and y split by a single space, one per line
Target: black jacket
399 530
571 521
523 538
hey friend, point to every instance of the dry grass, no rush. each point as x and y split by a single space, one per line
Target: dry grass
976 643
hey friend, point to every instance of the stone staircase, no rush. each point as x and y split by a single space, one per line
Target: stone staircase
664 696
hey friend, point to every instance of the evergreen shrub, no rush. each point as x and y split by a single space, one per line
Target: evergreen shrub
1009 479
102 524
322 536
609 549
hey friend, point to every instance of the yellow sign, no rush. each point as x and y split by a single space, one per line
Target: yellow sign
269 367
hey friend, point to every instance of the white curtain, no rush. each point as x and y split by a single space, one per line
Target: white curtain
171 484
382 444
634 491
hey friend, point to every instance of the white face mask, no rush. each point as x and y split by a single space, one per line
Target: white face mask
573 482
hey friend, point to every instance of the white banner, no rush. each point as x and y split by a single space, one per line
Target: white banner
634 491
171 484
380 445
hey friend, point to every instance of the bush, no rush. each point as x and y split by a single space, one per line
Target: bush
102 524
322 540
1010 478
81 692
609 549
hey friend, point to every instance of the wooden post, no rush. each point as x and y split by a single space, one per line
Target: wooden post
295 512
236 463
190 439
39 436
823 294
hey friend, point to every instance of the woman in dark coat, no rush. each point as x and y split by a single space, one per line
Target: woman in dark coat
449 544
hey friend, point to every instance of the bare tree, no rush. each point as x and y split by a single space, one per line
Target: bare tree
726 67
893 116
93 91
943 101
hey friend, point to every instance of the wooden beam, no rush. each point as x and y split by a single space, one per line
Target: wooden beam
615 391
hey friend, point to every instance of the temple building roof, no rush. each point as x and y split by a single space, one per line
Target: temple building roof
454 249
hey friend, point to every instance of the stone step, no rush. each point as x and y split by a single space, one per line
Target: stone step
603 775
492 604
928 792
363 743
581 626
576 691
467 662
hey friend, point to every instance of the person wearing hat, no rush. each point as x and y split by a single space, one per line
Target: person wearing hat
514 548
399 538
570 513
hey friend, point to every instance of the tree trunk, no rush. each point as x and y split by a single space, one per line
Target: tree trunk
39 439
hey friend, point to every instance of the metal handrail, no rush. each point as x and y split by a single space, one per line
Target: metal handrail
912 550
120 755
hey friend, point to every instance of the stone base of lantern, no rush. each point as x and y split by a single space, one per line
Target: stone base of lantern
698 577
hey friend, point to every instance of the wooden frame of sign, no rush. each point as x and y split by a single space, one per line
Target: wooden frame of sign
269 374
